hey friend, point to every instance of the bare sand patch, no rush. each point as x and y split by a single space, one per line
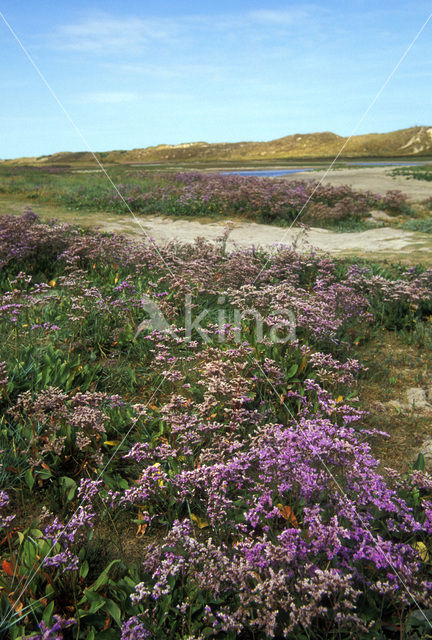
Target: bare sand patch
385 240
376 179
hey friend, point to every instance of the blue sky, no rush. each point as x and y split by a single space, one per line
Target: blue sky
141 73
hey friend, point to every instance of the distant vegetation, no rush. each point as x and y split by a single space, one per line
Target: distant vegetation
416 173
423 225
194 194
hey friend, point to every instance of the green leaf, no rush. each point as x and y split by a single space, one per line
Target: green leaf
130 584
95 599
104 577
28 477
29 555
68 486
47 614
114 610
44 474
17 632
421 617
292 371
84 569
419 464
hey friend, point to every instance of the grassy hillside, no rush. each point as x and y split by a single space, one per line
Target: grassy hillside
412 142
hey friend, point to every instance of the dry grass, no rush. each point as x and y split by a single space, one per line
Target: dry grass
395 367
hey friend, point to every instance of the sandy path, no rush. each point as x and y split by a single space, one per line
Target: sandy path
385 240
376 179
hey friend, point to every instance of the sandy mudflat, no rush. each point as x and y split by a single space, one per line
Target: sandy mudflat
376 179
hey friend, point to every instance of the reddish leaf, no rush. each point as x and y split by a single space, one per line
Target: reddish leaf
287 514
7 568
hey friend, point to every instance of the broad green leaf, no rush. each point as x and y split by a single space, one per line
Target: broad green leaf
84 569
95 599
104 577
68 486
114 610
292 371
28 477
47 614
419 464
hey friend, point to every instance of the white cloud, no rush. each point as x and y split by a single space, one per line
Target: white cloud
200 47
107 97
284 17
175 71
106 33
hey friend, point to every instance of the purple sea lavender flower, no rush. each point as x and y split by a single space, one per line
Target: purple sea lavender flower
55 631
5 520
133 629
